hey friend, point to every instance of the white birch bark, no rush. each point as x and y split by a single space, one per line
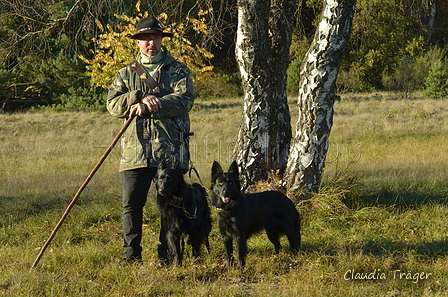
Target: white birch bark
265 128
317 95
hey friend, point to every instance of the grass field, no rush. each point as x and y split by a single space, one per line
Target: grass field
378 227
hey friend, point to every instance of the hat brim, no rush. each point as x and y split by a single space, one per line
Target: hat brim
164 34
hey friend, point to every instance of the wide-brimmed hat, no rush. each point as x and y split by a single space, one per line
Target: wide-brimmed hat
149 25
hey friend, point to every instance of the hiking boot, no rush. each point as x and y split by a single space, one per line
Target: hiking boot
131 260
163 262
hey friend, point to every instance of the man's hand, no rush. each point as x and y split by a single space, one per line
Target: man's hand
152 102
137 109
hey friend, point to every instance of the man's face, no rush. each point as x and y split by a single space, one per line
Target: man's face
149 44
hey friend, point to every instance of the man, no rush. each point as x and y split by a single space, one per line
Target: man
159 132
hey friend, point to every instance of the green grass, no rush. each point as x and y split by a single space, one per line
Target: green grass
381 213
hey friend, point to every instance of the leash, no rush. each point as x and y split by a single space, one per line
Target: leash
187 214
191 217
192 168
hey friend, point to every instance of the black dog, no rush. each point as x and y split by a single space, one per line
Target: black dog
241 215
185 214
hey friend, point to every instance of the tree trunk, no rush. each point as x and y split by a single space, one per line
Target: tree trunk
316 97
262 51
432 17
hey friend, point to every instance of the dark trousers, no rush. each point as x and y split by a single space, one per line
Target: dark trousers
136 184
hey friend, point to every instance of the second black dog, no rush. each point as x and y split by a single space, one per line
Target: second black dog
241 215
185 214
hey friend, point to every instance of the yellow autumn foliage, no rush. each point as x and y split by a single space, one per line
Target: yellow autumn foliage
114 49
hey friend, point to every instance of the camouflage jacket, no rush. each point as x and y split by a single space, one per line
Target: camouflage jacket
155 137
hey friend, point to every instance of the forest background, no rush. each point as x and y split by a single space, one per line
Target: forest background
64 54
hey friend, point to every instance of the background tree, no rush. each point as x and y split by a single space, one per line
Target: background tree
436 84
262 51
41 42
380 30
317 95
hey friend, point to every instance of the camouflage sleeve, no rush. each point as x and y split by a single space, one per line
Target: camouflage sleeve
122 95
181 100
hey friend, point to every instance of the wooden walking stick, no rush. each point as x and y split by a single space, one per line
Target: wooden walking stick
100 162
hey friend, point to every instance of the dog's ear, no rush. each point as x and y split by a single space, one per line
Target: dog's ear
234 168
168 163
216 170
162 164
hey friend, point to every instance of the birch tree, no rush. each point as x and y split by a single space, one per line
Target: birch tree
320 68
262 51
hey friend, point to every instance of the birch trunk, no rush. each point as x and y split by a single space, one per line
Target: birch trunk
316 97
262 51
432 17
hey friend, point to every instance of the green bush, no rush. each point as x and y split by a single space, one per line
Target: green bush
293 72
412 69
404 79
79 99
221 85
347 81
436 84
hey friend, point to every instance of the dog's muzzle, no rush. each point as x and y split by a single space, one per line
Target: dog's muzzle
225 200
162 191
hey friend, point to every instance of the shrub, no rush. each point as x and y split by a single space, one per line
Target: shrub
293 73
422 114
436 84
347 81
404 79
217 85
78 99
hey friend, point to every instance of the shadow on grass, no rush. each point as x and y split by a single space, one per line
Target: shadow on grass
433 249
399 200
14 210
429 249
